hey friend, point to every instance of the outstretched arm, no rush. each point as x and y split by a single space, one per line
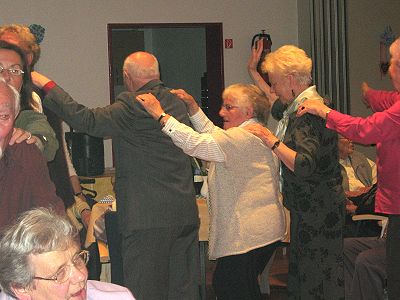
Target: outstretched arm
200 145
284 153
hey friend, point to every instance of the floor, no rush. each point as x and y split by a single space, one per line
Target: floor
277 278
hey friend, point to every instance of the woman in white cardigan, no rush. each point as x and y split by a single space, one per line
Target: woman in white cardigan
246 217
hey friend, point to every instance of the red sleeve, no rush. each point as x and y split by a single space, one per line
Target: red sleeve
381 100
379 127
48 86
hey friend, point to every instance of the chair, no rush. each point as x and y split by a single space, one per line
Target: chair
382 220
114 241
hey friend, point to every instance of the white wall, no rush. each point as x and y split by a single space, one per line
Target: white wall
365 23
74 51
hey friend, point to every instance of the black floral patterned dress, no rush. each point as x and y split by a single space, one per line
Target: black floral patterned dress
313 193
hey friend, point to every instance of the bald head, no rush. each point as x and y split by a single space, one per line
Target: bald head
140 68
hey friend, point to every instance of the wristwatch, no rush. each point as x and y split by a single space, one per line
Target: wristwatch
42 138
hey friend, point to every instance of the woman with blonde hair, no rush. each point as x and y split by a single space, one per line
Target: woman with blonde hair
310 180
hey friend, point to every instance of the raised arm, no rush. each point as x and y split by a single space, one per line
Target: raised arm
255 76
200 145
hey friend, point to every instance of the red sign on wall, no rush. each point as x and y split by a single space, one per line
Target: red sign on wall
228 43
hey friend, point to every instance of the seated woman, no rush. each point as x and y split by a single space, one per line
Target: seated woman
40 258
246 217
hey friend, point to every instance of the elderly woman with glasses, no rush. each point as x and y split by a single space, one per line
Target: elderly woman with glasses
310 179
246 217
40 259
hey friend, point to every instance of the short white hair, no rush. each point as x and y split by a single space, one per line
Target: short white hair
15 94
137 70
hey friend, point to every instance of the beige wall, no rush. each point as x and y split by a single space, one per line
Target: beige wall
74 51
366 21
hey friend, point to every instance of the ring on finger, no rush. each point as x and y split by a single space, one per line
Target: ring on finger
30 136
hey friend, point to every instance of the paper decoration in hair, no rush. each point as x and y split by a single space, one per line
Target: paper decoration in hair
38 31
386 39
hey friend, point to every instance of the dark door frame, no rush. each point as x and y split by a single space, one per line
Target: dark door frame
214 60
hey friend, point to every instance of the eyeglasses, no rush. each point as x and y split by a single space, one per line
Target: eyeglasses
11 71
229 107
63 274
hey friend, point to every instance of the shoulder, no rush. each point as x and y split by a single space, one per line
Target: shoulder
23 151
4 296
104 290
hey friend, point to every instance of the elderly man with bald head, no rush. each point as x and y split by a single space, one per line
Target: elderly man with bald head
24 178
157 212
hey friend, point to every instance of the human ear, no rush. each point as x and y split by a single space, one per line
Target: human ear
21 293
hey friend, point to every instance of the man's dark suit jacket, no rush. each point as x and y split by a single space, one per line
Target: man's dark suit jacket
154 185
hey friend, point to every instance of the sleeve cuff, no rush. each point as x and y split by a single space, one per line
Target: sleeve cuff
48 86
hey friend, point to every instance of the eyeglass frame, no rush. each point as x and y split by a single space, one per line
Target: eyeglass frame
229 107
69 272
10 70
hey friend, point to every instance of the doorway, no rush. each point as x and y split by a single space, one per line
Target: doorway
190 57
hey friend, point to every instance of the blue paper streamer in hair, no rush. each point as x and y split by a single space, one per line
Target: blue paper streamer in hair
38 31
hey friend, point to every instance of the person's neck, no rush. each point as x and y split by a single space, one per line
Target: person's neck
298 89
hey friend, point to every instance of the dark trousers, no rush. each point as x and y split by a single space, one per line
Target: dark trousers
236 276
364 268
162 263
393 257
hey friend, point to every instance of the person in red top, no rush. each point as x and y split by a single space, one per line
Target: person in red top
24 177
383 129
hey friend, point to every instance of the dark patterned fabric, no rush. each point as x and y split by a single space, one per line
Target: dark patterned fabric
313 193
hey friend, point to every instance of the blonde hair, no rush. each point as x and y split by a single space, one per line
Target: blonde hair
247 95
27 41
289 60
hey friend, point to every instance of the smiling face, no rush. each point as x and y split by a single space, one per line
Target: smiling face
10 59
232 114
7 115
49 263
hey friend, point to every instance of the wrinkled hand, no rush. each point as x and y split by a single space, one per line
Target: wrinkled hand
19 135
39 79
188 99
314 107
255 56
262 133
364 89
150 104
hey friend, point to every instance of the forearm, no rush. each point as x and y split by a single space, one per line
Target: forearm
200 145
202 123
381 100
260 82
286 155
36 123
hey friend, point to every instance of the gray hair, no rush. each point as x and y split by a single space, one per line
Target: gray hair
247 95
36 231
137 70
15 94
289 60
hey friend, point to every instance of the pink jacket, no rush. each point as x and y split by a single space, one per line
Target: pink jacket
383 129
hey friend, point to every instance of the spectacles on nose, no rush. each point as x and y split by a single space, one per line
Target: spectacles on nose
229 107
11 71
63 274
